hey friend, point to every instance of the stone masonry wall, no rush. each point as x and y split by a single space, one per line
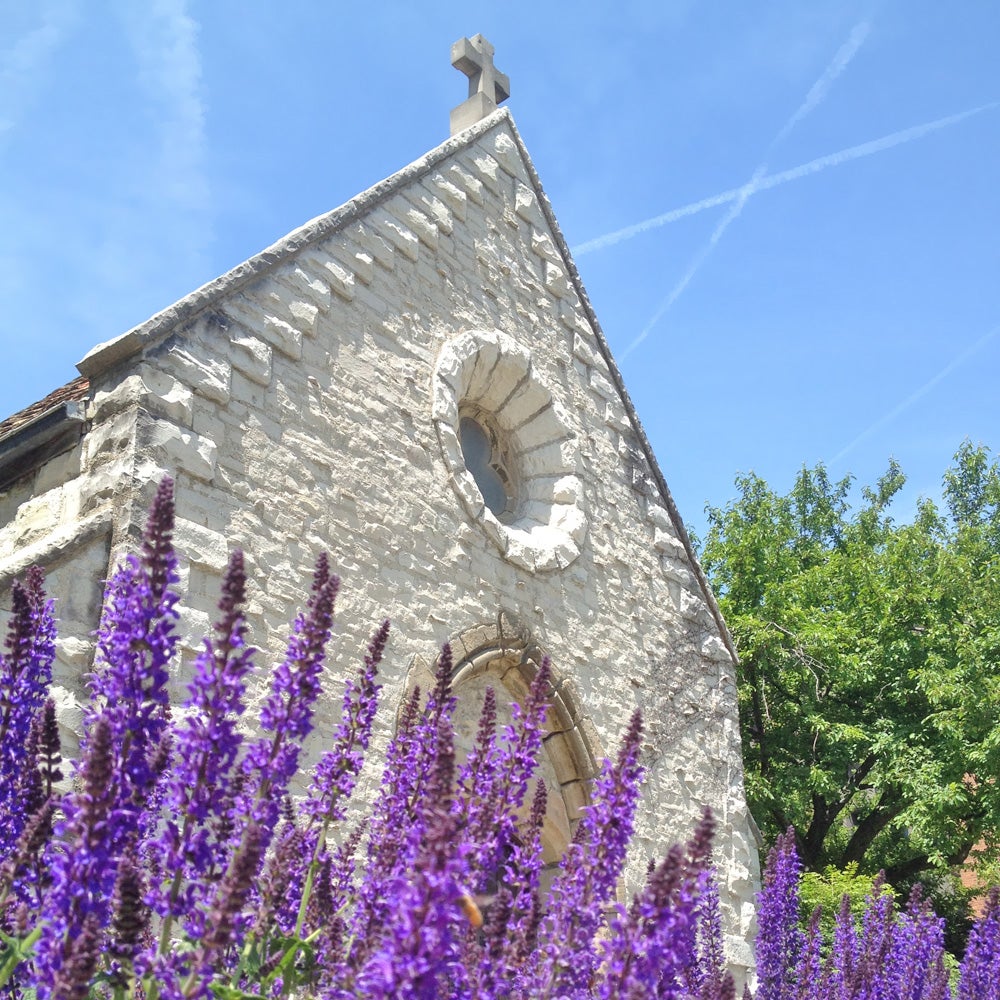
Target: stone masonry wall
297 413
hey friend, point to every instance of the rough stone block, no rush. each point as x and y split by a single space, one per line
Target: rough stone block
452 194
505 150
341 280
208 377
364 267
176 448
439 212
555 280
402 238
542 246
419 223
583 350
602 385
526 206
370 242
471 184
201 546
252 357
488 170
305 283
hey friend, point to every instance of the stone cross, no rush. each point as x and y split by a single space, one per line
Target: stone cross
487 86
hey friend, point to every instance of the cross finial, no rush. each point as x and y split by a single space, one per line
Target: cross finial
487 86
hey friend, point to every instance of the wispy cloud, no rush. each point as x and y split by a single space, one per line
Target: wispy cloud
783 177
164 181
24 65
914 397
816 94
165 39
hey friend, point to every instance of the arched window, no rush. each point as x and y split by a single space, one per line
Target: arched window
502 656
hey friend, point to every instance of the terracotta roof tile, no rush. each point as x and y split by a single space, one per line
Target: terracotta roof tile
77 389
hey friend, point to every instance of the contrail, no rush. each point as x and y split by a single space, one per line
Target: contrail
821 87
776 180
817 92
741 199
914 397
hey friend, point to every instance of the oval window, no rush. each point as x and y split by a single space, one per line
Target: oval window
485 462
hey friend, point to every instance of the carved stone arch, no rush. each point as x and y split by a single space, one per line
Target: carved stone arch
504 656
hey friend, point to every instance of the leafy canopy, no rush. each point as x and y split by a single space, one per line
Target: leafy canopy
870 664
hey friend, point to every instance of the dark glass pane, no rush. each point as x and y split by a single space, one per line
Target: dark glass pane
477 450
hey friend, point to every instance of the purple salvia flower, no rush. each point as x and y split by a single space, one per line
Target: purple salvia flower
716 982
779 940
198 788
129 918
396 825
918 952
497 775
665 944
84 870
23 871
523 881
338 768
226 922
338 889
25 676
841 969
342 868
321 909
979 974
135 644
412 824
44 745
808 969
917 941
272 761
284 879
77 962
420 949
24 867
875 953
590 872
496 963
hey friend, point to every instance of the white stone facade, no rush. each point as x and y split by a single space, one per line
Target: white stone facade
309 401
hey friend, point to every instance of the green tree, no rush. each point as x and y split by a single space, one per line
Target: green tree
870 664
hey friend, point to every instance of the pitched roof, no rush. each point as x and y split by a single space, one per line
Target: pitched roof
75 390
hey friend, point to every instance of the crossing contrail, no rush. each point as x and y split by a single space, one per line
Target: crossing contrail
817 92
741 199
822 86
783 177
915 396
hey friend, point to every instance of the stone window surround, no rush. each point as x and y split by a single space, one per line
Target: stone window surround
504 651
488 372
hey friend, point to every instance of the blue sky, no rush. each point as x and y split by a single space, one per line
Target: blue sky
786 214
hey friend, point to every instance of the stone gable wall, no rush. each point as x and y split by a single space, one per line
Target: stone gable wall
298 414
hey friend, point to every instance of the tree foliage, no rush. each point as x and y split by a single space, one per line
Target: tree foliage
870 664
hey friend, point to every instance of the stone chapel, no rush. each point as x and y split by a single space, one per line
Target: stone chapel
416 383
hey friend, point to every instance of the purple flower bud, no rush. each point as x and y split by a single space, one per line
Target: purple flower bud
135 643
779 940
334 777
25 676
979 975
83 869
272 760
